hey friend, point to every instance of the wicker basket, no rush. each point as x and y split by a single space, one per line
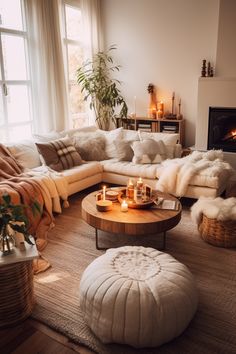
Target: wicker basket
218 233
16 293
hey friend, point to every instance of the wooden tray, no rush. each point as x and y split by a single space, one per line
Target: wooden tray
132 204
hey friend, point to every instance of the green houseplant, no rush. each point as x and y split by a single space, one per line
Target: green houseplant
95 79
13 216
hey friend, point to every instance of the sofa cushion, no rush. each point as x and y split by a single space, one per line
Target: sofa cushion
128 134
83 171
124 151
167 138
147 151
59 154
170 141
111 136
129 168
91 147
26 153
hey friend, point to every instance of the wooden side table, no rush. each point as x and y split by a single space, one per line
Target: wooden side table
16 285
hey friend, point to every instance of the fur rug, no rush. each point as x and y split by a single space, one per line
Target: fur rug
214 208
175 175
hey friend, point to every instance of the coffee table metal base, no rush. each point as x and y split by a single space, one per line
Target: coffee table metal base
105 248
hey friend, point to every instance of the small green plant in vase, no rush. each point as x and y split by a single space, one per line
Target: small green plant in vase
13 218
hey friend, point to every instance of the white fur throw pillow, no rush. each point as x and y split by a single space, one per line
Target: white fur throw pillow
147 151
91 147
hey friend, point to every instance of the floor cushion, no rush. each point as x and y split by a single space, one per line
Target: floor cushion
137 296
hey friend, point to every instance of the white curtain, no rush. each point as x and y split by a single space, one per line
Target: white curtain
93 38
47 67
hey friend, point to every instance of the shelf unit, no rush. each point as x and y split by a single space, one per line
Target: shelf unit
154 125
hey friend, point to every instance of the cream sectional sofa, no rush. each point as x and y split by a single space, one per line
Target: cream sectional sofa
113 170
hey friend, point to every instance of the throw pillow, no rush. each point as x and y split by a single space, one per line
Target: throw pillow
169 140
124 151
91 147
59 154
25 153
147 151
110 137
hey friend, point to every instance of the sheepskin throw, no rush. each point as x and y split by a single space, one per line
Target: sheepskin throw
175 175
214 208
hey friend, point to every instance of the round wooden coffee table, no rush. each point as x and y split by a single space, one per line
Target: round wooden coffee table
133 222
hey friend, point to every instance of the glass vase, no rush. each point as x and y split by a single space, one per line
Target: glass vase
7 243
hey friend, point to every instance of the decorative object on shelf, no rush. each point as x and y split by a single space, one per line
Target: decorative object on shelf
160 110
13 219
203 73
179 115
152 109
208 69
172 115
94 78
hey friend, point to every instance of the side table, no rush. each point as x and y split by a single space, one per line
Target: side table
16 285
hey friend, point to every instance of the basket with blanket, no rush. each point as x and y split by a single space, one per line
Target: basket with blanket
216 220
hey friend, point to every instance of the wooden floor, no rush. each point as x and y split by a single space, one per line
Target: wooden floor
31 337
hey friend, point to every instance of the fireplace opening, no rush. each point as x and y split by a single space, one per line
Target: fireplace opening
222 129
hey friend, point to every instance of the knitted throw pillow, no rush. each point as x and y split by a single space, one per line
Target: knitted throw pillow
59 154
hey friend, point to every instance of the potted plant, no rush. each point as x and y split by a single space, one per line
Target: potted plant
13 218
94 77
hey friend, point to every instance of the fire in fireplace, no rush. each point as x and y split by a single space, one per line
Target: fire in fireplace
222 129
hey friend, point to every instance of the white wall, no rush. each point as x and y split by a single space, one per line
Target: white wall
163 42
226 46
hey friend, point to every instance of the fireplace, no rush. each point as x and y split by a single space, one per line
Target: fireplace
222 129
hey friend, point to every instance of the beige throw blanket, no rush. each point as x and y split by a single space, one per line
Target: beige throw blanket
175 175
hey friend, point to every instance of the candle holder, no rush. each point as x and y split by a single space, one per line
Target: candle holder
124 206
104 205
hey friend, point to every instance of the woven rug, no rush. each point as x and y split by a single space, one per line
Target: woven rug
72 247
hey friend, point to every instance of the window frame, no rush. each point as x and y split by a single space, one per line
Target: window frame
5 125
66 42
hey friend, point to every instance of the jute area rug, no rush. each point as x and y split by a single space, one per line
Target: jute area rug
71 249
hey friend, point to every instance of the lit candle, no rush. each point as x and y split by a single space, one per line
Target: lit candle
140 183
124 206
104 192
130 189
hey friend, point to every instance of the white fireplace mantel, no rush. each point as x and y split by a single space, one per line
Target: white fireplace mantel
213 92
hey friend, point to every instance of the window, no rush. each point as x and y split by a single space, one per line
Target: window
74 56
15 85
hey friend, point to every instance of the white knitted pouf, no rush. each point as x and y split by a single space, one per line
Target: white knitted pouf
137 296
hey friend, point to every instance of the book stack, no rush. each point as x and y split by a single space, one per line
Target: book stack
144 127
170 129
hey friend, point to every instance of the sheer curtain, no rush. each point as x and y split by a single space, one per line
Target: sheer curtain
47 67
93 38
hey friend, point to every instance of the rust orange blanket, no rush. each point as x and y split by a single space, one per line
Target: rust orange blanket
25 190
